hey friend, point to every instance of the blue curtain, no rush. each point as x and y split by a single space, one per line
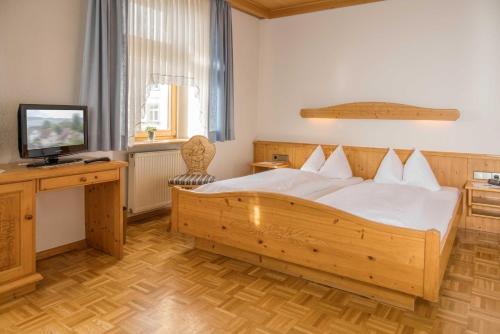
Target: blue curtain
104 74
220 107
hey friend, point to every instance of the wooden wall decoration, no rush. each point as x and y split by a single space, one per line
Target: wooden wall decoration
381 110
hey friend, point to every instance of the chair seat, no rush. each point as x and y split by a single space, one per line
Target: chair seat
191 180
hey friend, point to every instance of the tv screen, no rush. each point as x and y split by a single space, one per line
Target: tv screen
51 130
54 128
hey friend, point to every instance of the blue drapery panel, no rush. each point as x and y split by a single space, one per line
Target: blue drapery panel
220 107
104 74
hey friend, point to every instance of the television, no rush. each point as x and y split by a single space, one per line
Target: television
50 131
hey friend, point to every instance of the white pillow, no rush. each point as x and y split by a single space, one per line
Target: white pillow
337 165
315 161
418 173
390 170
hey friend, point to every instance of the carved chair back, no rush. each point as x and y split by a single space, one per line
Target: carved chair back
197 153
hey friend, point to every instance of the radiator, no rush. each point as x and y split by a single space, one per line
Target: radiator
148 179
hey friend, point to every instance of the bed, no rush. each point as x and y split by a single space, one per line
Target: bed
312 239
397 205
285 181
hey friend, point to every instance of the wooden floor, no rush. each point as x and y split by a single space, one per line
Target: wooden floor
164 286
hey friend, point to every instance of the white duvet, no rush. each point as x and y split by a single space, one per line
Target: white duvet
398 205
293 182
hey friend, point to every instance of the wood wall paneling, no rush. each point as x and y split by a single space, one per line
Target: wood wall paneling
451 169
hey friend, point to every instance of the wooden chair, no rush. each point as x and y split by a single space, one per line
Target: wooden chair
197 153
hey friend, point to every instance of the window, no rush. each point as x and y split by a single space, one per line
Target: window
160 112
168 44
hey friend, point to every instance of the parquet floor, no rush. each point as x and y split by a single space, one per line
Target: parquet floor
164 286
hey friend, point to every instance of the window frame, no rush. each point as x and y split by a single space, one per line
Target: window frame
164 134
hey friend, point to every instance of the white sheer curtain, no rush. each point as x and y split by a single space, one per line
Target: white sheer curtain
169 44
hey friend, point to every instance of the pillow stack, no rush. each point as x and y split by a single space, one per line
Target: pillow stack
416 172
335 167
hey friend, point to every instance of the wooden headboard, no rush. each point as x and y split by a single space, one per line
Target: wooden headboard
451 169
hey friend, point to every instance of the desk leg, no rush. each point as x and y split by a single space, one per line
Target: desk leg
104 218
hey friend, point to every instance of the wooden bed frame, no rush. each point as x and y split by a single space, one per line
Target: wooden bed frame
320 243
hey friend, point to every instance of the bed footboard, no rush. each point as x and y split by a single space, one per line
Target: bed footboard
314 236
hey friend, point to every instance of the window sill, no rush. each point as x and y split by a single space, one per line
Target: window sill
157 145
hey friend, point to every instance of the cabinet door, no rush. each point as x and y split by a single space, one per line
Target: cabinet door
17 244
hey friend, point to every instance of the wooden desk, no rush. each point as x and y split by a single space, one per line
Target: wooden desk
18 187
267 165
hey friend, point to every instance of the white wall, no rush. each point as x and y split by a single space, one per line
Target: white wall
431 53
41 45
40 56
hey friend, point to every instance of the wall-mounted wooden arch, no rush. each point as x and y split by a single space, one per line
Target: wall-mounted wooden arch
381 110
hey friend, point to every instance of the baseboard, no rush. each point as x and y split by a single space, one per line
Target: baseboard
148 215
19 287
77 245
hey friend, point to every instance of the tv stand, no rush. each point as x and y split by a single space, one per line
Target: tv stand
52 161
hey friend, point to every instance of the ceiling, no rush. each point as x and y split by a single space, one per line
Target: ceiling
270 9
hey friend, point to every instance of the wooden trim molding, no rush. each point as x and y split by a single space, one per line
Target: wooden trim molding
251 8
315 6
381 110
255 8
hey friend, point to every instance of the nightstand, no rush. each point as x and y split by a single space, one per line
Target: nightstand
267 165
483 200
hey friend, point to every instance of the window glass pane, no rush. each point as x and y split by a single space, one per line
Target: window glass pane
157 109
196 121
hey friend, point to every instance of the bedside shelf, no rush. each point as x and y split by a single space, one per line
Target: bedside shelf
486 201
268 165
485 212
483 200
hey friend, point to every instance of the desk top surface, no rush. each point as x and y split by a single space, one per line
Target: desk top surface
16 173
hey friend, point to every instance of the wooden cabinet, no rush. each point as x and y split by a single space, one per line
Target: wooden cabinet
17 230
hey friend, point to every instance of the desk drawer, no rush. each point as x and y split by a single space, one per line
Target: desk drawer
78 179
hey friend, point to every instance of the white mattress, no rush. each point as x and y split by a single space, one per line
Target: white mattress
293 182
397 205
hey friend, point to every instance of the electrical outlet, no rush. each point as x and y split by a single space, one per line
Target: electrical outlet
280 157
483 175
